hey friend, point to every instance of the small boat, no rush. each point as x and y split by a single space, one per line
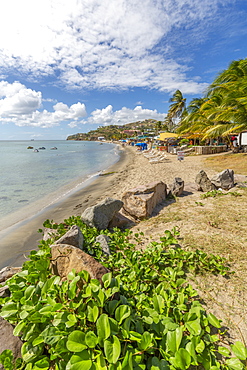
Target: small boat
36 150
42 148
30 147
54 148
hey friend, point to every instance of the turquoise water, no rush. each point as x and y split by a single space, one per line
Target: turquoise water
28 176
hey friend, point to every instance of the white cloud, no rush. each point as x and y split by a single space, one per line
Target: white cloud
17 99
21 106
107 116
101 44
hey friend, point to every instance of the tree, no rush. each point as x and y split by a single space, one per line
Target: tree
158 127
175 111
223 110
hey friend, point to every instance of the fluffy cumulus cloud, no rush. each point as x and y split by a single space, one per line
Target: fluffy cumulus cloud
102 44
107 116
23 107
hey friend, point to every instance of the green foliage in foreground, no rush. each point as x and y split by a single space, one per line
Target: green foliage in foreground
216 193
144 315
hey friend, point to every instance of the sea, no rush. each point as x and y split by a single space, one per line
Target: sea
31 180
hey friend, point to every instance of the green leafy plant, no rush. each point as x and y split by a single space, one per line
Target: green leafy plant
216 193
212 194
199 204
143 315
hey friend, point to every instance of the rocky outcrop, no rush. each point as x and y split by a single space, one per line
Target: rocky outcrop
103 240
65 257
8 340
72 237
224 180
101 214
141 201
177 187
203 182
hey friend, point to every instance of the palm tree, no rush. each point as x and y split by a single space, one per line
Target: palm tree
223 109
229 93
175 111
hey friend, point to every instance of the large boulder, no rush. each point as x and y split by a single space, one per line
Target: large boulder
72 237
224 179
101 214
8 340
141 201
65 257
177 187
203 182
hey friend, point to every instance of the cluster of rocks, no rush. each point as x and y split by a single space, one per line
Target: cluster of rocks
223 180
67 252
138 203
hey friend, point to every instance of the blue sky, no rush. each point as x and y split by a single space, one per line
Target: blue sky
70 66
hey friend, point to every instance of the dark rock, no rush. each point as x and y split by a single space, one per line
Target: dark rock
203 182
72 237
101 214
177 187
224 180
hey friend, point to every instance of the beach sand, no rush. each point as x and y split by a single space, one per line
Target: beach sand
131 170
199 224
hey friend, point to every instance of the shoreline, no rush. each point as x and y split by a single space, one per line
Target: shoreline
131 170
18 240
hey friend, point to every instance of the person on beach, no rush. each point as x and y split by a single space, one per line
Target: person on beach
235 145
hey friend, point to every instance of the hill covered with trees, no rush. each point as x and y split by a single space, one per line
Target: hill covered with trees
116 132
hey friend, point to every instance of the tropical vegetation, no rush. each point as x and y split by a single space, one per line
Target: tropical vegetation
144 314
175 111
223 109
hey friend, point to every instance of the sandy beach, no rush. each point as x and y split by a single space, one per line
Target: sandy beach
215 225
131 170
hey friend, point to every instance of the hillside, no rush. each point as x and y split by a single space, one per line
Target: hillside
115 132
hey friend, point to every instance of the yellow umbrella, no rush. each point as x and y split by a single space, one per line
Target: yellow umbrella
167 135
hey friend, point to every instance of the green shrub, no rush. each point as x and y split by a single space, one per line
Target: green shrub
144 315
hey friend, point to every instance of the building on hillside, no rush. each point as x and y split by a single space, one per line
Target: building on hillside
132 132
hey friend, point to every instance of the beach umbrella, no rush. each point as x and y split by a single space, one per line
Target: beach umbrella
167 135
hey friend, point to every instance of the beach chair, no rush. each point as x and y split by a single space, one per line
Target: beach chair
153 153
161 158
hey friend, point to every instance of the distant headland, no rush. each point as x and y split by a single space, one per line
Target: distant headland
149 127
